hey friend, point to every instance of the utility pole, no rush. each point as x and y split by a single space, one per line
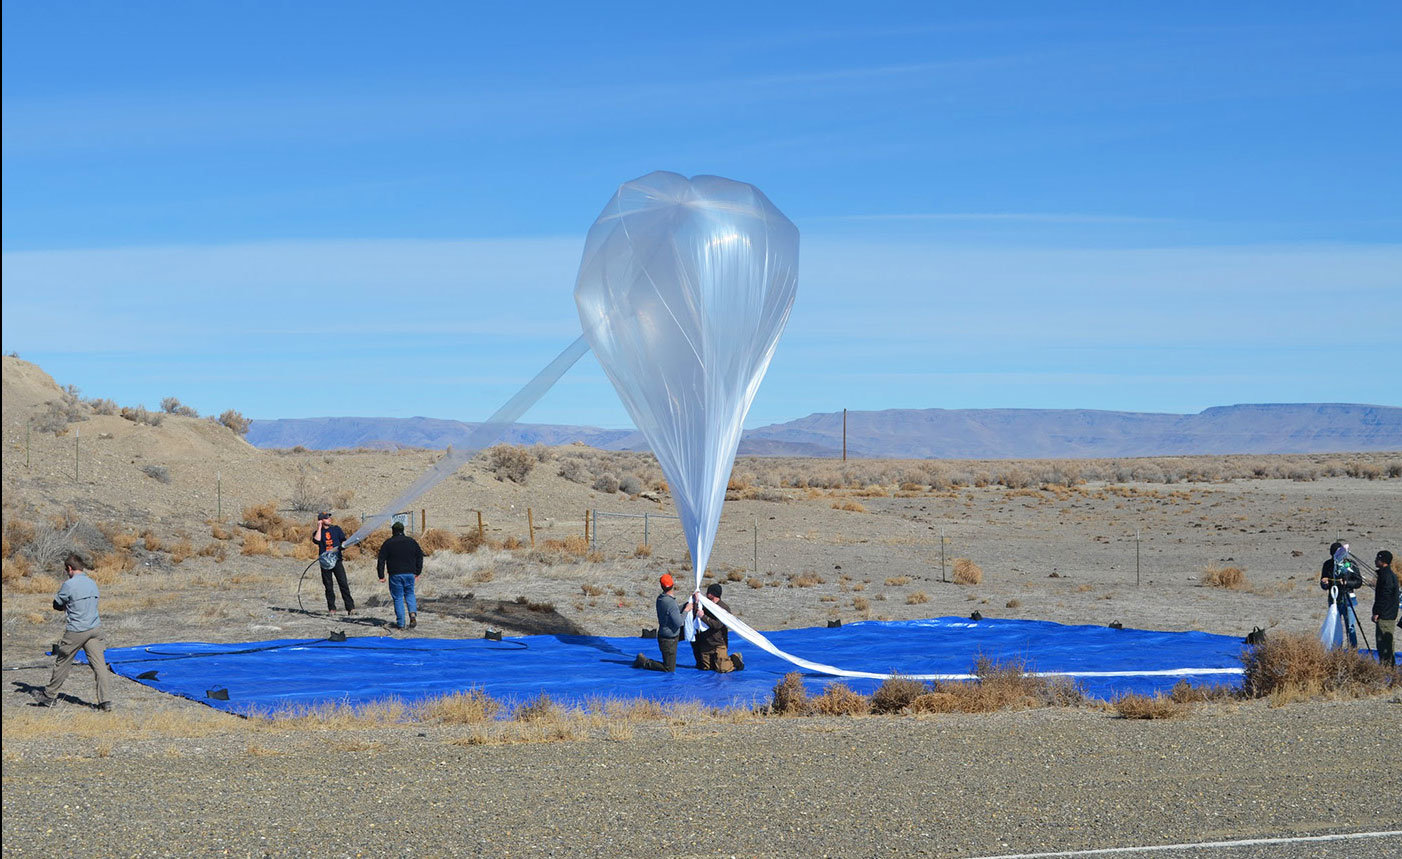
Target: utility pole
844 435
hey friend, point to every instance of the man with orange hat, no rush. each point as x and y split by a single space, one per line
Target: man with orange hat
669 628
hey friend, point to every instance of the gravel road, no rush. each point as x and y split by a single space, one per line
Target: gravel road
1006 783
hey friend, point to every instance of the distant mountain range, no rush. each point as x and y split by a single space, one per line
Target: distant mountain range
931 433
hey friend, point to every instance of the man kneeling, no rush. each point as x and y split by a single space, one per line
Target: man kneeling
711 647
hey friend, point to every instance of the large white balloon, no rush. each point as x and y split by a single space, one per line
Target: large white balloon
683 291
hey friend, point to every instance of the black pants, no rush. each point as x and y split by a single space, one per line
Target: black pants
340 572
668 646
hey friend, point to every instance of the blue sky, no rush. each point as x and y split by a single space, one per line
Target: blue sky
1137 206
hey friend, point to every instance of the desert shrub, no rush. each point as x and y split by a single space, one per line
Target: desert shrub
805 579
629 484
219 532
305 497
861 604
15 569
966 572
1287 667
173 406
102 406
236 422
462 708
341 499
1134 706
897 581
849 506
1184 692
510 462
434 539
790 697
58 414
50 541
150 542
139 415
215 551
1231 578
573 470
468 543
754 583
254 543
34 583
109 567
158 473
537 708
1013 603
896 693
837 699
606 483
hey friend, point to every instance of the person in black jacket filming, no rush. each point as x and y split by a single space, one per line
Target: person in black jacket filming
403 558
1341 574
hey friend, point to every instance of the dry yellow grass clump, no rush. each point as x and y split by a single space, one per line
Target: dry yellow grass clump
849 506
1134 706
966 572
1288 668
1231 578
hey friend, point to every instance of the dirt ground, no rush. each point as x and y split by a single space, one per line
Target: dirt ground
145 500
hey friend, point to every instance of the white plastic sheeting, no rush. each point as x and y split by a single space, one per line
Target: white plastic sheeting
683 291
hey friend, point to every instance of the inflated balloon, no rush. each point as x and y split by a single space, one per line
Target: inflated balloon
683 291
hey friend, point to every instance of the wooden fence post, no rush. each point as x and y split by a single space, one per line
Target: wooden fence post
530 525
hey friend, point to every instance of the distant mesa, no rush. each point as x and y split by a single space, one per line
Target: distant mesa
931 433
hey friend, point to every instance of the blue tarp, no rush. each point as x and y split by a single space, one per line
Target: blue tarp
268 676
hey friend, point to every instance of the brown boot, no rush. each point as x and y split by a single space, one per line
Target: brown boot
413 619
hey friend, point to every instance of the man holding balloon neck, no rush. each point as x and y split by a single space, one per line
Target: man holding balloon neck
713 642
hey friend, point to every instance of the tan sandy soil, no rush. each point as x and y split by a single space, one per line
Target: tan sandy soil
1066 554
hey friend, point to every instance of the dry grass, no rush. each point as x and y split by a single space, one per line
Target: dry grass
917 598
1231 578
461 708
30 723
839 700
790 698
1290 668
435 539
896 693
849 506
966 572
1134 706
897 581
255 543
805 579
181 551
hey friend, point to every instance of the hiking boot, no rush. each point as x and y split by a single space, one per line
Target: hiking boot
42 698
738 660
106 706
413 619
640 661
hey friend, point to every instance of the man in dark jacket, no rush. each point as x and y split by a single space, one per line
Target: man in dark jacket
329 539
712 645
403 558
1385 607
1341 573
669 629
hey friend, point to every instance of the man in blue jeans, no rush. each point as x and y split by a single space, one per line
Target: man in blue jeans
403 558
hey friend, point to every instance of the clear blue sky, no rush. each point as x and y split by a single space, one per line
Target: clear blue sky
1138 206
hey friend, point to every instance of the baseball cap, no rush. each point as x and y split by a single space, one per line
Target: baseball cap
666 580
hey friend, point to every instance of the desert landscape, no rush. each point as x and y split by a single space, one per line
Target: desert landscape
197 536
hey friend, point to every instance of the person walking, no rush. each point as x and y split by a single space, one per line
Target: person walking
669 629
403 558
77 598
329 539
1385 607
1341 575
712 645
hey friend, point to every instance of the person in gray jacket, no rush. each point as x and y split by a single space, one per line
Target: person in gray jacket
78 598
669 628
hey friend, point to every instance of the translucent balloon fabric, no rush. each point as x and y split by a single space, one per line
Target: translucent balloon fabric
683 291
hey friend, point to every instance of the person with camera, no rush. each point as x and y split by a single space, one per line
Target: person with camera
403 558
329 539
1341 574
1385 607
